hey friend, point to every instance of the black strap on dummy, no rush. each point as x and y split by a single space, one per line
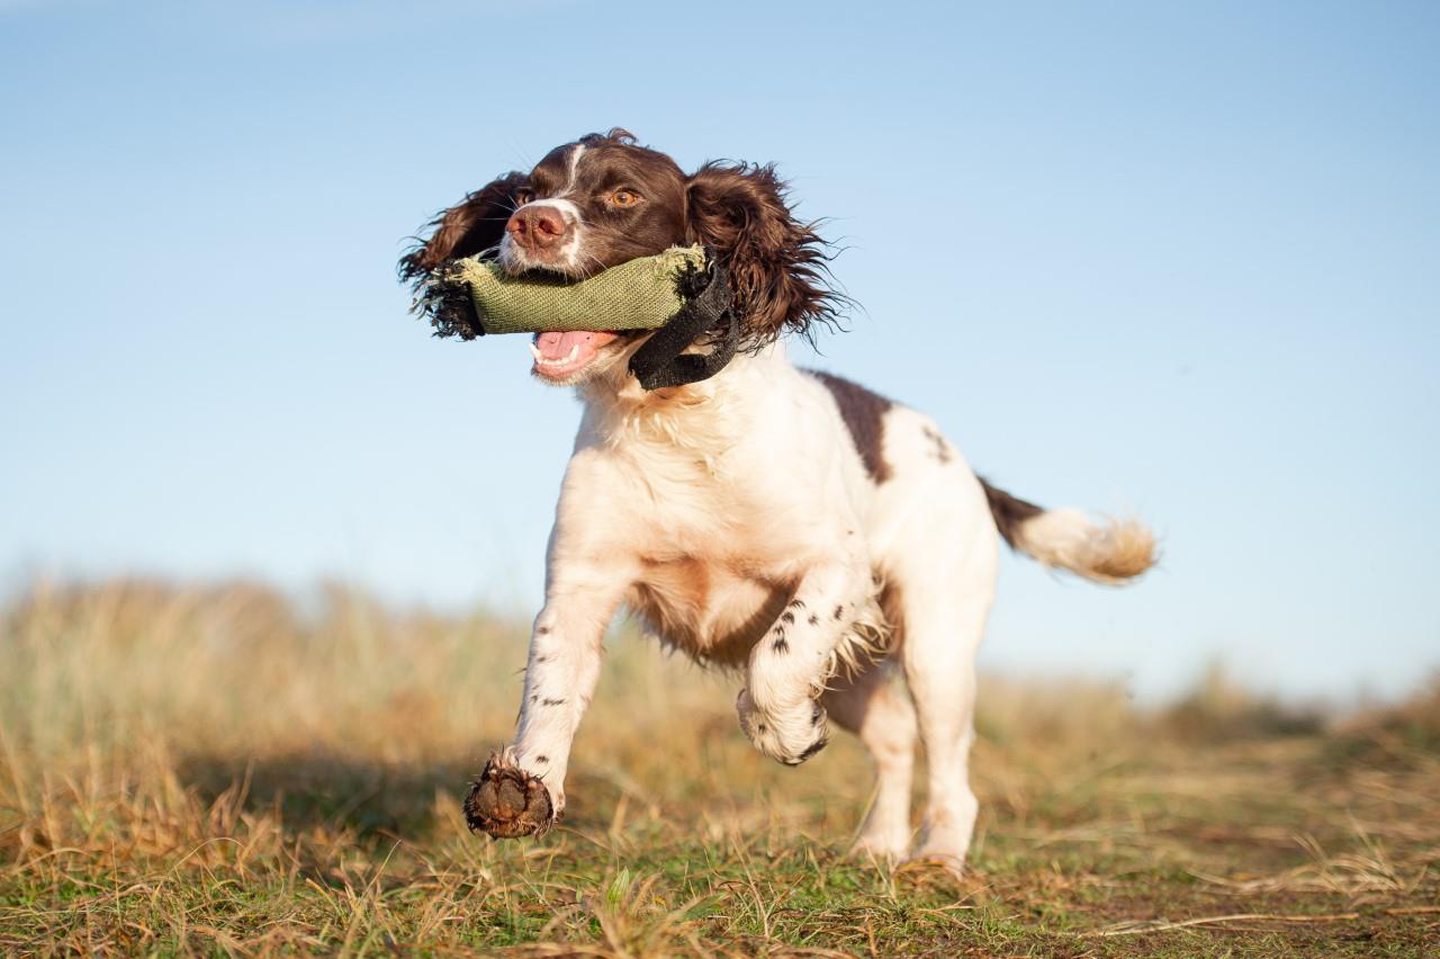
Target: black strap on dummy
709 309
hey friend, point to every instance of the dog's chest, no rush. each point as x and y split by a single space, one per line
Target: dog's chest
712 611
716 507
717 560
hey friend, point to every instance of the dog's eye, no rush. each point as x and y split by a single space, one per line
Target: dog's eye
623 198
524 196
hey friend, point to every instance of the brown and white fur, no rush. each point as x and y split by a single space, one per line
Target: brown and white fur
812 535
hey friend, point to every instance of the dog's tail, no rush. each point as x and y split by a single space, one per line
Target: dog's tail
1111 553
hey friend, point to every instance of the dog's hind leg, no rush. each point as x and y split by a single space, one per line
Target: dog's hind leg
872 706
942 634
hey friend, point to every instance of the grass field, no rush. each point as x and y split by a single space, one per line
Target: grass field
222 771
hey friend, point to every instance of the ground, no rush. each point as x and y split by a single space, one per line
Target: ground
209 770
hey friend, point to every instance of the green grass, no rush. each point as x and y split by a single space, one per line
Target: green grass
206 771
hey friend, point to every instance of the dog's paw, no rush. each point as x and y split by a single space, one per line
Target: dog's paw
507 802
791 736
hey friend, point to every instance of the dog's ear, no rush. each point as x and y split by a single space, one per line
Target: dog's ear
473 225
776 263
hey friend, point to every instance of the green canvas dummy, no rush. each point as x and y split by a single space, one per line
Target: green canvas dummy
640 294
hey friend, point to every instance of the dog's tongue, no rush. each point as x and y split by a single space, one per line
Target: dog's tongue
557 346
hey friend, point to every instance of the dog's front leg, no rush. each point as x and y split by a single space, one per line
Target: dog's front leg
522 789
779 707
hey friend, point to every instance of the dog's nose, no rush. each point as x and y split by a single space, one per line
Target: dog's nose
537 227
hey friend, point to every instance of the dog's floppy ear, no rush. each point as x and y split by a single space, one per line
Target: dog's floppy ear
776 263
473 225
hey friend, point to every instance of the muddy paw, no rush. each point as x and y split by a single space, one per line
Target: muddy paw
507 802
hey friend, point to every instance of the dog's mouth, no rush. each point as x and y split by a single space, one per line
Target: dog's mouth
562 357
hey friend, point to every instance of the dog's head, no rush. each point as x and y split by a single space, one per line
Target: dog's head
604 200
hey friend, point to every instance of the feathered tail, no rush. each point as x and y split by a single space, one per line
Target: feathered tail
1112 553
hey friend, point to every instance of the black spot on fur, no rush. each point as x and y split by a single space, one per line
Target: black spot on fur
787 617
542 658
552 702
864 416
813 620
542 631
780 645
542 759
839 612
1010 512
797 604
814 748
942 452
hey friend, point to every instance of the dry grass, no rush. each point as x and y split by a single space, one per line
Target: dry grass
222 771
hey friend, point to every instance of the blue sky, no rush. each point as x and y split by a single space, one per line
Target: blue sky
1177 259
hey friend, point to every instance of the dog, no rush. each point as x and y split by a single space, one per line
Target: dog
808 533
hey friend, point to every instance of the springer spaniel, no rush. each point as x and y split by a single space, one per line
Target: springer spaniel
798 528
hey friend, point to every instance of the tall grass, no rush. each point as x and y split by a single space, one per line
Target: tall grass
224 678
239 669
